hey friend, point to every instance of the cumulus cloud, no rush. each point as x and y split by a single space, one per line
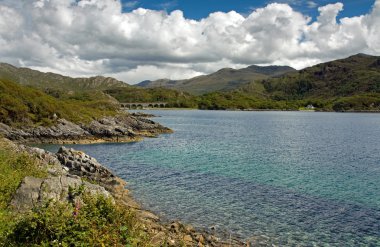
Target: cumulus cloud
130 4
89 37
311 4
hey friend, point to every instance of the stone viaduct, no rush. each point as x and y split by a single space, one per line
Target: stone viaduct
144 105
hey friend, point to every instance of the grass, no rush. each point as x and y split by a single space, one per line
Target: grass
14 166
88 221
172 97
84 220
22 105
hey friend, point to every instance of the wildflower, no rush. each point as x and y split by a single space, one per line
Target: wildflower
76 209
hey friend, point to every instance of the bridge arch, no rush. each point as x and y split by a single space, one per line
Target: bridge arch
143 105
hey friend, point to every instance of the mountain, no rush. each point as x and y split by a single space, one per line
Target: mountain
350 84
23 106
52 81
340 78
173 98
222 80
93 89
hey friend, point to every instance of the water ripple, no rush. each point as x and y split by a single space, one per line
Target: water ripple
300 179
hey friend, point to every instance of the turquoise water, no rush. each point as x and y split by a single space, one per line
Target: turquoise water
299 178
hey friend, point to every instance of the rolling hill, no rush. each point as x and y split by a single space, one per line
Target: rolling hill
222 80
350 84
26 106
341 78
94 89
51 81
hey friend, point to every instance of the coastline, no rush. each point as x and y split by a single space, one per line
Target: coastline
72 167
121 128
201 219
256 110
69 166
85 141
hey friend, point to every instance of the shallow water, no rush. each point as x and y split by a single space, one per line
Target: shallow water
300 178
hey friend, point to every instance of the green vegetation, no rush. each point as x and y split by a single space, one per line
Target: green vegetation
29 106
363 102
342 78
223 80
351 84
85 220
172 97
90 221
242 100
14 166
52 82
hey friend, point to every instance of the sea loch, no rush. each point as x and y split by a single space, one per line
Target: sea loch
294 178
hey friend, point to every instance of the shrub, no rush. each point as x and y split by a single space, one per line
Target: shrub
21 105
14 166
83 221
86 221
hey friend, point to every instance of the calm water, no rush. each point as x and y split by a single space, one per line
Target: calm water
308 179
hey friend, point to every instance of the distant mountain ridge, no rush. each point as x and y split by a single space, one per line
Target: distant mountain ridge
92 89
47 81
223 80
348 84
343 77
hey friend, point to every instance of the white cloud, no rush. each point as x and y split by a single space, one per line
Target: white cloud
130 4
311 4
167 5
89 37
153 72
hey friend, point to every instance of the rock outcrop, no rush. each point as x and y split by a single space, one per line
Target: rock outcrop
70 169
80 164
57 186
36 191
143 114
108 129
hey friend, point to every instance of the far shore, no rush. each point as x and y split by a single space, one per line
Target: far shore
252 110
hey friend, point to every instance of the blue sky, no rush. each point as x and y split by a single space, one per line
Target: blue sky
197 9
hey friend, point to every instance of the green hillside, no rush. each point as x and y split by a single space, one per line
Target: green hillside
351 84
174 98
222 80
345 77
51 82
24 105
92 89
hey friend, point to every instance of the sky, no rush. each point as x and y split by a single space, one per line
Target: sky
136 40
198 9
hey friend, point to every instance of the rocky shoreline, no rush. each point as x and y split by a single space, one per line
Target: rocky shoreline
69 168
122 128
